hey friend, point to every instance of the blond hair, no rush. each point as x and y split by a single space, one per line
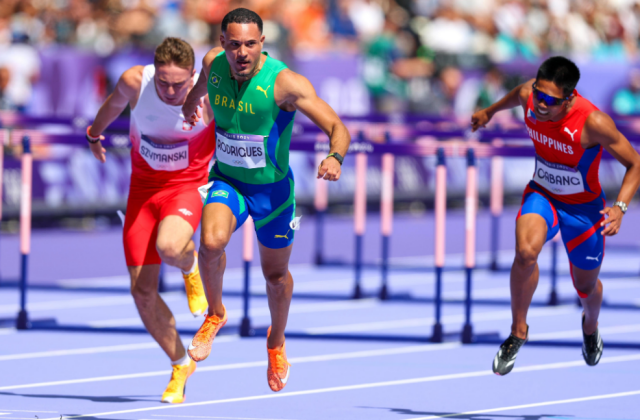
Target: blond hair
174 51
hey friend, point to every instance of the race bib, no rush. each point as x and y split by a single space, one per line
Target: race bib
165 157
558 179
240 150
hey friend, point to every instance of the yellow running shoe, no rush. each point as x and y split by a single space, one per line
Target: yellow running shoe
279 368
195 292
175 392
200 346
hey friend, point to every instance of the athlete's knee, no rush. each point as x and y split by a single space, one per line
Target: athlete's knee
212 244
276 277
526 255
587 288
170 251
143 294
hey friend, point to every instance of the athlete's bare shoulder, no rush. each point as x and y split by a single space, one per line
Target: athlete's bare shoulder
291 86
525 91
130 82
210 56
600 123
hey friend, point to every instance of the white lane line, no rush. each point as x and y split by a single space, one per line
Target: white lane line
449 319
103 349
464 375
84 303
621 329
27 411
540 404
244 365
211 417
341 305
4 331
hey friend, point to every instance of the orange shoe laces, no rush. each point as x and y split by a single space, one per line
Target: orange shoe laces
277 359
210 324
194 283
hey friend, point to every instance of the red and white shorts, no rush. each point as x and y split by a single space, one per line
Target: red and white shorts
146 210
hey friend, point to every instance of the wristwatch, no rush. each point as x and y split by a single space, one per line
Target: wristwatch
622 205
338 157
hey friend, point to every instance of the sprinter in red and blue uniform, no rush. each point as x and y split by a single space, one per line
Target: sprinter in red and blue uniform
564 195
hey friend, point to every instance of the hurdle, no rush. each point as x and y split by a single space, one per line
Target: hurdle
247 257
360 219
386 219
496 204
439 239
22 321
471 209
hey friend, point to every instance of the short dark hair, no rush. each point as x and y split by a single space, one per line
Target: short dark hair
241 15
561 71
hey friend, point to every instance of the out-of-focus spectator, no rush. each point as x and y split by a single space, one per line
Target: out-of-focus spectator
442 97
403 41
22 62
448 32
626 101
492 88
367 17
4 82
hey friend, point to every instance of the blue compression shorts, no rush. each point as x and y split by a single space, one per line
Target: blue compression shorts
272 206
579 224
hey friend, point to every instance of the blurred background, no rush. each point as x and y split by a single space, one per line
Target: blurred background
438 58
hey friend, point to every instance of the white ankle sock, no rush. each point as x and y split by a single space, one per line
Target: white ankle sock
193 267
183 361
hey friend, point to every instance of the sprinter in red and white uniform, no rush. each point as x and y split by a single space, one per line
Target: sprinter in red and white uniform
569 134
170 160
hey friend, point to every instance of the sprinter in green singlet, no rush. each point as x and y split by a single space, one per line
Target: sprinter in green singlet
254 100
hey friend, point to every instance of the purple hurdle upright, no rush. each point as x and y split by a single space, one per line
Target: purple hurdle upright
386 218
22 322
497 204
320 202
553 272
471 204
360 218
440 209
247 257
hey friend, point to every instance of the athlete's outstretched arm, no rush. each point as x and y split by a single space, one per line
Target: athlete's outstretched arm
294 90
126 90
517 97
190 109
602 130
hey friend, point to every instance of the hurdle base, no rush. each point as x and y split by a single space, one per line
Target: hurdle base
245 328
553 299
384 293
467 334
437 336
22 322
357 292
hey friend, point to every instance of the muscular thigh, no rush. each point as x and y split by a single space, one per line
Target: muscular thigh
582 234
180 212
225 209
144 278
537 221
140 230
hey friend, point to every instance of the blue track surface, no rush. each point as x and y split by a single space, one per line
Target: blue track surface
121 376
